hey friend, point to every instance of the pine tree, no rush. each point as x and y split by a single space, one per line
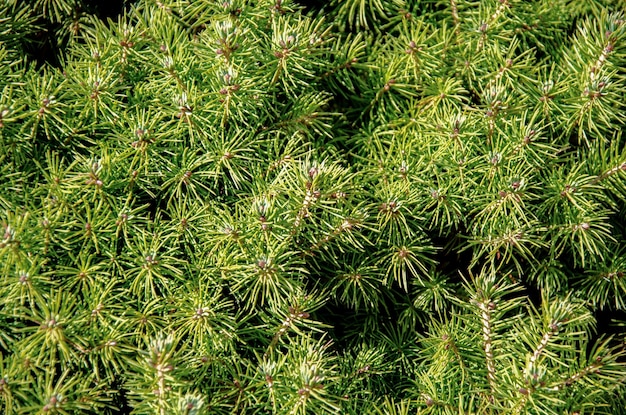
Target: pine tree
383 207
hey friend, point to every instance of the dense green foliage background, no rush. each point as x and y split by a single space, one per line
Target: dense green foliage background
373 206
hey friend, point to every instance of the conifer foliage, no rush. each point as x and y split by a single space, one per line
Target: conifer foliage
353 207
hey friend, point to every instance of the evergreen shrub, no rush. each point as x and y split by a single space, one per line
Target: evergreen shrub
352 207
